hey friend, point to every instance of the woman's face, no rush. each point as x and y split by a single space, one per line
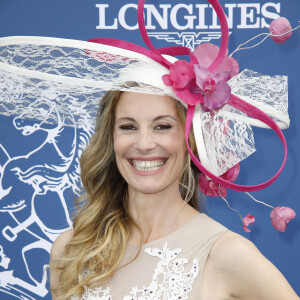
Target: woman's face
149 142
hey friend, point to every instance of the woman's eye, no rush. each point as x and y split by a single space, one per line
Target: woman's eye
127 127
163 126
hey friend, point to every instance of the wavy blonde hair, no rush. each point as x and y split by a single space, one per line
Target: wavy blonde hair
102 224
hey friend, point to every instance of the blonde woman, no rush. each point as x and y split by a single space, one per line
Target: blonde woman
138 234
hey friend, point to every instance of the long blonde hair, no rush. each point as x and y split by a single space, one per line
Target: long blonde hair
102 223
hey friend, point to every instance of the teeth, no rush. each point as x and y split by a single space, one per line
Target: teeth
147 165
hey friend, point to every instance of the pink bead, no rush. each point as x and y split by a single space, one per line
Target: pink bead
281 216
278 27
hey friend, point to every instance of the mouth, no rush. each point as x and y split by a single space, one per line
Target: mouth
147 165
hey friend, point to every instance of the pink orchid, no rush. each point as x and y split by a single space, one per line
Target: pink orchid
280 26
194 84
206 53
281 216
181 73
213 189
214 88
210 188
247 221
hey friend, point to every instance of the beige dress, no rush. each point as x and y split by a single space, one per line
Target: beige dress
166 269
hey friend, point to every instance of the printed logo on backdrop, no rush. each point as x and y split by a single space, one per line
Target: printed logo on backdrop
34 185
43 177
188 24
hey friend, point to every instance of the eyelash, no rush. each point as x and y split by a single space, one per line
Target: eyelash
164 126
158 127
127 127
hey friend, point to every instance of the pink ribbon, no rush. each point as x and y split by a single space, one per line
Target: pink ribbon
175 50
234 101
253 112
248 109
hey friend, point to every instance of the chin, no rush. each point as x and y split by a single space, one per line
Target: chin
146 188
154 186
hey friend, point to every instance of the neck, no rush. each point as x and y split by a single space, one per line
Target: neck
158 214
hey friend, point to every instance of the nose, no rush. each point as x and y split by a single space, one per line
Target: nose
145 141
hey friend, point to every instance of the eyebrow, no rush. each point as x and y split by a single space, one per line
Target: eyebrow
155 119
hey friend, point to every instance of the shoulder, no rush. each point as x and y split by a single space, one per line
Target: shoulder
208 225
231 246
231 254
56 253
59 245
243 272
236 257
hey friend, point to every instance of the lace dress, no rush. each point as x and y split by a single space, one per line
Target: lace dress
166 269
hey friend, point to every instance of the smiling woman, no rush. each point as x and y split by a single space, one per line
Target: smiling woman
137 232
136 170
149 142
134 235
167 128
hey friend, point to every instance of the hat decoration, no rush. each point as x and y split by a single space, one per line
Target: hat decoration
222 104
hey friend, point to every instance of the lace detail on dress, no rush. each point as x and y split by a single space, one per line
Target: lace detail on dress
169 281
94 294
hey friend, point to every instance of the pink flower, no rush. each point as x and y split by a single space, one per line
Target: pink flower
247 221
181 73
232 174
280 26
211 188
206 53
281 216
194 84
213 86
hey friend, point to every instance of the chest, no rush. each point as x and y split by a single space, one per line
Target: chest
166 269
157 273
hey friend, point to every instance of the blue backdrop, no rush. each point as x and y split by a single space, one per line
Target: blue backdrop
32 216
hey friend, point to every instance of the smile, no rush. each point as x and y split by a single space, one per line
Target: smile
147 165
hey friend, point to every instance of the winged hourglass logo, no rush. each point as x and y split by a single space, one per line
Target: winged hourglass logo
186 39
187 24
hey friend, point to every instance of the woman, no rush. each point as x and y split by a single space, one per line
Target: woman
135 236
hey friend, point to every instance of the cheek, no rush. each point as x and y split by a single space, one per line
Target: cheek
119 150
121 145
182 150
176 144
177 149
118 145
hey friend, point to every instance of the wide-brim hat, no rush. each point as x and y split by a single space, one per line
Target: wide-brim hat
50 80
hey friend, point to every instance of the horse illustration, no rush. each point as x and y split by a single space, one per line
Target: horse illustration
38 182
